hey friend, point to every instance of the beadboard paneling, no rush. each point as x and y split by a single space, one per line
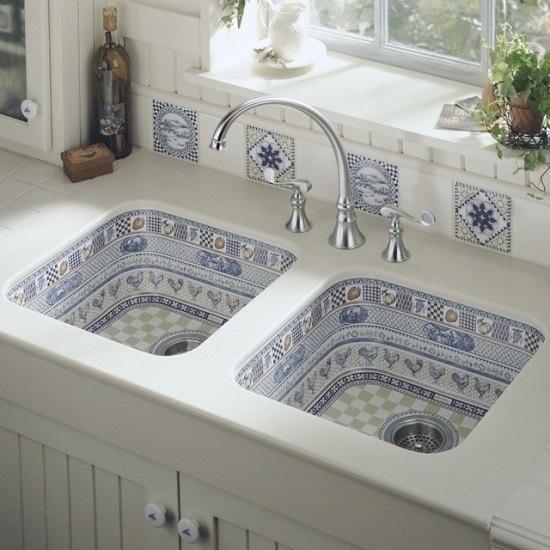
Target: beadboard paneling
50 500
11 526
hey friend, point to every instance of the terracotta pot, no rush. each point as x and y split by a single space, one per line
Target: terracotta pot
523 120
489 98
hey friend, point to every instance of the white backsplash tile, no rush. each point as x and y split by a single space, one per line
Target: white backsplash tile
480 165
531 223
143 121
359 134
162 68
297 118
183 86
418 151
139 54
215 97
316 163
419 191
449 159
383 141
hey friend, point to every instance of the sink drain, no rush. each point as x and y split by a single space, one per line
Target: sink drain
420 432
181 342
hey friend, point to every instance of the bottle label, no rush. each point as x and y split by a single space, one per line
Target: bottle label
112 119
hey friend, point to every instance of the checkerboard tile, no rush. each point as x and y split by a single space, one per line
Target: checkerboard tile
142 327
367 407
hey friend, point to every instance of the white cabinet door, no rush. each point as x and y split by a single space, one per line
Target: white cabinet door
62 490
25 72
231 523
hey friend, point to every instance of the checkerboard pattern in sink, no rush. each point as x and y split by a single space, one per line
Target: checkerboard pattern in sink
143 327
449 358
366 408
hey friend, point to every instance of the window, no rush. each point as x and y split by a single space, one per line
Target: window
441 37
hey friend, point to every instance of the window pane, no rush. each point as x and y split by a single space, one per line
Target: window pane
352 16
13 72
531 17
448 27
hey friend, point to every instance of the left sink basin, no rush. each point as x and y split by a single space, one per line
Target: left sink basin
151 280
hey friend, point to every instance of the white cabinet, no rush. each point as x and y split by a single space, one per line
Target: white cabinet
62 490
25 73
232 523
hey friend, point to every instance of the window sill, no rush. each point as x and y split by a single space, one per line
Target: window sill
362 94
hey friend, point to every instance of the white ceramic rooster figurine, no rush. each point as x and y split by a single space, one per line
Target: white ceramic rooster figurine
287 30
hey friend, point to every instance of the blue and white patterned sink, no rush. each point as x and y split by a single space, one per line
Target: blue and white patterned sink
366 350
145 276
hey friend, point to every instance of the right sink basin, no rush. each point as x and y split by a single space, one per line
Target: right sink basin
416 370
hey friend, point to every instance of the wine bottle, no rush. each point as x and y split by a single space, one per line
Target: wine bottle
112 94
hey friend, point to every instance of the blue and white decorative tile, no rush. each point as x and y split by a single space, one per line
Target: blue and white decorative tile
483 217
175 131
375 183
266 149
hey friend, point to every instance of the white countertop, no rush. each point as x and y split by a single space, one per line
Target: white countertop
470 482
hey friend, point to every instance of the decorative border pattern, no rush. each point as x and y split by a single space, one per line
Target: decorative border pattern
175 131
483 217
132 229
447 354
375 183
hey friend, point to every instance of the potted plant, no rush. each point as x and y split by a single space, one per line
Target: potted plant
515 105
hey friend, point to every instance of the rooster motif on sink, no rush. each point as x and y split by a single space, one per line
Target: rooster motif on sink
362 358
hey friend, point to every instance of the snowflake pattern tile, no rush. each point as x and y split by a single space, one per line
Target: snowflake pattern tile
483 217
375 183
266 149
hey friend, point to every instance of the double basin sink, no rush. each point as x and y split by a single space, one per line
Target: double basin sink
416 370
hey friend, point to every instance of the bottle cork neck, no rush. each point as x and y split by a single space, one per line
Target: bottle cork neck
110 19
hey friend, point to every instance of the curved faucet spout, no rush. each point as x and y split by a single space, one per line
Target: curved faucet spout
346 234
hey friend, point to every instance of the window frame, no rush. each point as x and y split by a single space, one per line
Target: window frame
380 49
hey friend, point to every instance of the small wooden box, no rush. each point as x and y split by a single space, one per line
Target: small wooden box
87 162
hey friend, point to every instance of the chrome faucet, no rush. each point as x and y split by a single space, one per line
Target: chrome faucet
346 234
396 252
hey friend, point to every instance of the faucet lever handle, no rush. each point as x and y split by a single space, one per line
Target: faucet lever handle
302 185
425 218
298 222
395 251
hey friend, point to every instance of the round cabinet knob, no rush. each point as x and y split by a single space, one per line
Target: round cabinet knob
188 530
29 109
155 514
